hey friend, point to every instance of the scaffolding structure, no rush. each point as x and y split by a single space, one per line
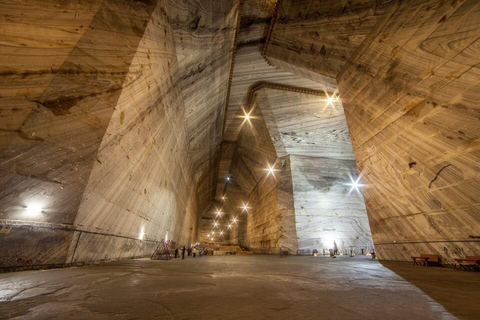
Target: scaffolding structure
164 250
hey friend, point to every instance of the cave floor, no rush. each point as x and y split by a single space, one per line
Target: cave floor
242 287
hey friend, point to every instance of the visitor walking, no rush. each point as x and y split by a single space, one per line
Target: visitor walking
194 252
176 252
183 252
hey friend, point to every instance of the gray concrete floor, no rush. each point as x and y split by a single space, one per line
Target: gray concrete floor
242 287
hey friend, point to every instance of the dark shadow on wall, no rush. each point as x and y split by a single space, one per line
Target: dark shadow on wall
457 291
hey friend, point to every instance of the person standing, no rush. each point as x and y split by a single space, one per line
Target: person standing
194 252
176 252
183 252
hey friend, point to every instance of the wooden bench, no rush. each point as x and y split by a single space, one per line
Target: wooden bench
468 263
426 260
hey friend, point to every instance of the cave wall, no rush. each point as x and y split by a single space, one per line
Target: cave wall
95 129
270 219
314 135
204 32
411 96
141 185
305 204
410 90
320 35
62 79
326 209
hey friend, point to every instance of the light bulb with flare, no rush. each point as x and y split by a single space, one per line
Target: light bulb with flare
270 169
355 184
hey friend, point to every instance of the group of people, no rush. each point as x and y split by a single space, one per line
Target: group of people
190 252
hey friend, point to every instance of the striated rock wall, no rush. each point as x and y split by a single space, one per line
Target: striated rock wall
325 208
314 134
95 127
56 110
408 80
269 220
411 99
321 35
305 204
203 31
141 185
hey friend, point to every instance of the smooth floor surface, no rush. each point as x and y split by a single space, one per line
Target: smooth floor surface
242 287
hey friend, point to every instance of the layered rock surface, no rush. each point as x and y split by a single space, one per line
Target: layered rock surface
96 132
409 90
124 122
